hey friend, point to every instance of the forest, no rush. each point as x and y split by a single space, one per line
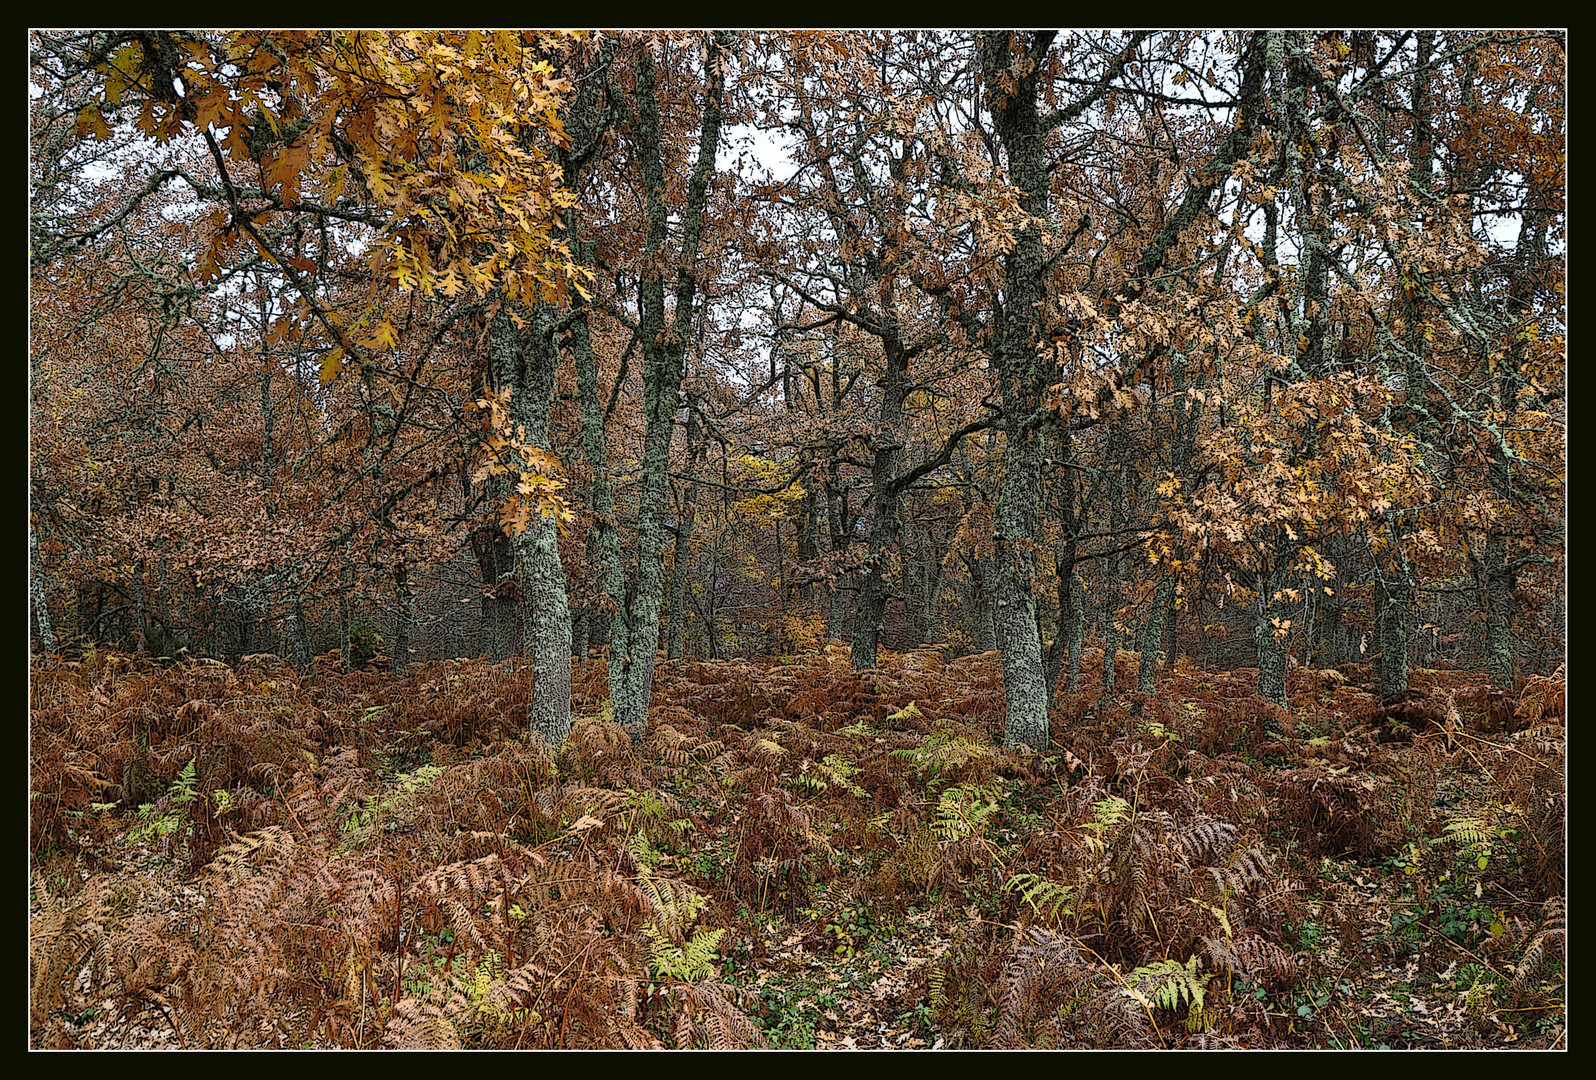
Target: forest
799 540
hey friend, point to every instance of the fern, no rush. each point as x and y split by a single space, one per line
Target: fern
407 786
834 771
1168 984
691 962
1108 816
963 812
943 753
908 712
153 825
1048 899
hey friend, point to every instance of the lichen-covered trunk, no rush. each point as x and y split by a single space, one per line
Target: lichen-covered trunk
1153 634
685 521
41 610
663 337
527 360
546 629
885 503
1011 75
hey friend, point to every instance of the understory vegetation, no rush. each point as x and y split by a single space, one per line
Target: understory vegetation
796 855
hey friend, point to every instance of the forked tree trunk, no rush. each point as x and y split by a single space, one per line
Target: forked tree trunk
663 341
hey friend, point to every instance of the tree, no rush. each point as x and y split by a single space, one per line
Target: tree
1128 341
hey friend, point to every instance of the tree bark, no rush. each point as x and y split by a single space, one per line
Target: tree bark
1153 634
41 609
696 442
527 361
664 345
1023 380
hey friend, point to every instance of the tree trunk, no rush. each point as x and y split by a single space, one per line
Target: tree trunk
299 633
696 443
837 534
1501 647
41 609
527 360
403 616
1153 634
885 500
664 345
1394 622
1077 631
1011 67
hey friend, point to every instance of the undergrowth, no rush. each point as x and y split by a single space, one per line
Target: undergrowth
244 856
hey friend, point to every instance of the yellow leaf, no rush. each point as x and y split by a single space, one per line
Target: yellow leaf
331 365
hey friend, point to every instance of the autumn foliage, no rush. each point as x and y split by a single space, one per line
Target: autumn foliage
1122 463
339 859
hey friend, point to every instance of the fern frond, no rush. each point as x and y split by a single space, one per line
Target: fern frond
1048 899
1169 984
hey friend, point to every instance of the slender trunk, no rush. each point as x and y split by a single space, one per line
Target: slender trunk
696 443
528 360
664 345
808 549
1153 634
41 609
1077 631
1394 622
299 632
143 627
1500 579
1114 585
837 535
403 615
885 500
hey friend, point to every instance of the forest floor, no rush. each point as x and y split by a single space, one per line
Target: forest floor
795 856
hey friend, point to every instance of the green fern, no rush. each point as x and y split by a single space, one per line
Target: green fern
1478 836
153 826
693 962
649 803
964 811
1168 984
1108 816
908 712
834 771
943 752
674 903
406 788
1048 899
